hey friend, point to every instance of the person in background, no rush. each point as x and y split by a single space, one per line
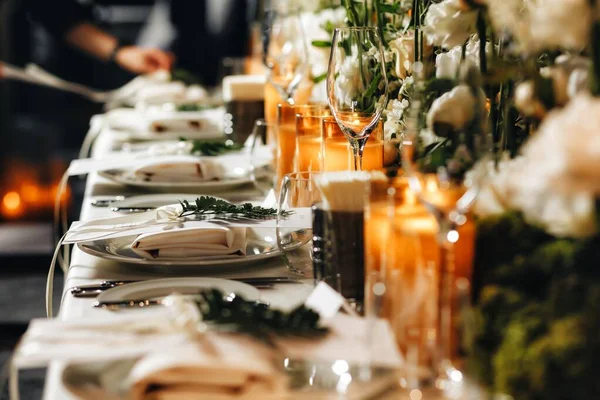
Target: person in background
69 20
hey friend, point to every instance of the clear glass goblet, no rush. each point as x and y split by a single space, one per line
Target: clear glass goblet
357 84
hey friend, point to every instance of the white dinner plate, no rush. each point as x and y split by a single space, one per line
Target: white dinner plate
261 245
154 288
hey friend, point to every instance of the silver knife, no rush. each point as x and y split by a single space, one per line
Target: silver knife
123 304
92 290
132 209
120 304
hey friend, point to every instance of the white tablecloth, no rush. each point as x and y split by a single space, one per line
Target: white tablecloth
86 269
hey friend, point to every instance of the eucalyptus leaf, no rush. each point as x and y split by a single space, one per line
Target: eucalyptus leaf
325 44
389 8
319 78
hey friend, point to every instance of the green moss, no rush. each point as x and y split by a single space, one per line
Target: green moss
537 312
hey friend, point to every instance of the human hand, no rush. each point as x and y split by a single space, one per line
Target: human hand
141 60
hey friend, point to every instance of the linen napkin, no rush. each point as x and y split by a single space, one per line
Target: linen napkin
179 169
164 91
206 124
182 122
215 367
191 242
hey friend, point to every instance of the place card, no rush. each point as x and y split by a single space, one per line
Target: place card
326 301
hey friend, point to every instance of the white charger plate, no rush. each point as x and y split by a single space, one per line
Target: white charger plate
261 245
153 288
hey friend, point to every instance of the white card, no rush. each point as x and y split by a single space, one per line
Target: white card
325 300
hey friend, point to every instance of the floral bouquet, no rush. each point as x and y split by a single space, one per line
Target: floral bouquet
534 331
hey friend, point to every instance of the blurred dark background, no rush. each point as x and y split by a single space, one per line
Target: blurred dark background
42 129
41 126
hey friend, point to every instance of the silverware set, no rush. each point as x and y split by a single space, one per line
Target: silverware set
93 290
124 304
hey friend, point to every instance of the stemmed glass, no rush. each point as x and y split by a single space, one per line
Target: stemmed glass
298 194
447 191
357 84
285 51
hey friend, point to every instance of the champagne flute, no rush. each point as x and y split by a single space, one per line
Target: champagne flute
285 51
437 174
357 84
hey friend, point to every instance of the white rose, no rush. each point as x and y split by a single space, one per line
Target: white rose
346 84
449 24
403 48
560 73
312 24
455 109
518 184
448 63
567 146
539 25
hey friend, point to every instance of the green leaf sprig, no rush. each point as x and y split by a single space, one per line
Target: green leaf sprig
258 319
207 205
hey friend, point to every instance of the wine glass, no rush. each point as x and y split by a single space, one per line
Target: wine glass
262 157
285 51
298 194
445 172
357 84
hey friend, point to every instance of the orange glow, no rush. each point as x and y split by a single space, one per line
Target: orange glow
12 206
12 201
31 193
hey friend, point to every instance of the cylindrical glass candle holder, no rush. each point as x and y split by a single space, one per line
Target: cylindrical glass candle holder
309 141
337 154
412 262
273 97
286 135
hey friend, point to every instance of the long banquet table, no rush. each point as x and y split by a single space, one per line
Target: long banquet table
87 269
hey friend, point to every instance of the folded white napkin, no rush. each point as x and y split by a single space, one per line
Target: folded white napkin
183 122
205 124
179 169
191 242
216 367
163 91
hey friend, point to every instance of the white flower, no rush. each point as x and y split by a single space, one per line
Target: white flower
548 24
313 24
170 213
560 73
518 185
454 109
448 63
394 121
527 102
449 24
348 81
403 48
567 146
